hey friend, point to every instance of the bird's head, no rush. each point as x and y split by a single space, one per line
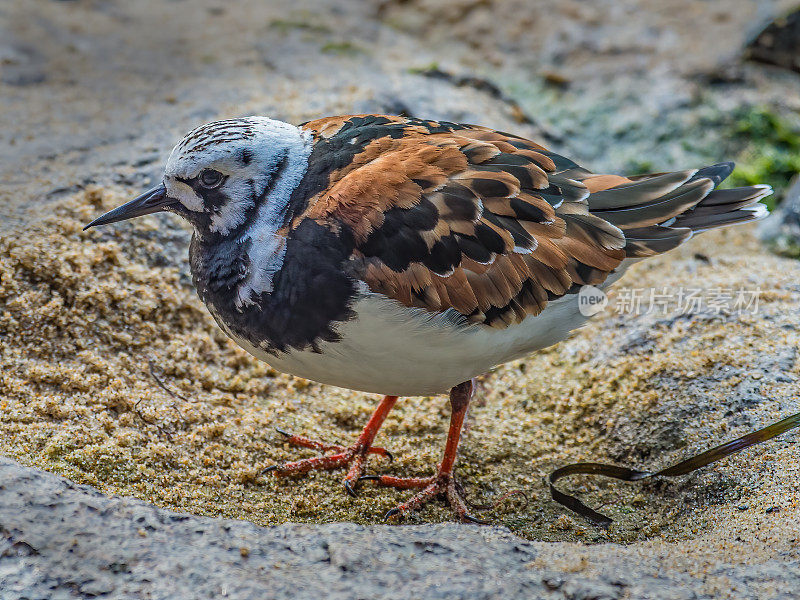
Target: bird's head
223 174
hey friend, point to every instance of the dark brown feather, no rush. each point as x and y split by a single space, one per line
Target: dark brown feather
458 217
446 216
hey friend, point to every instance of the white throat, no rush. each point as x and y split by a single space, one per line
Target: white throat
267 246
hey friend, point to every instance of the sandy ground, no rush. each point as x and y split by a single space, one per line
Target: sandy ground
88 319
94 94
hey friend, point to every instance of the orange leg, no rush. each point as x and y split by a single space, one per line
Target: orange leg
443 483
355 455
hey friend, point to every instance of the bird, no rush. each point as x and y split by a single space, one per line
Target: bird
405 256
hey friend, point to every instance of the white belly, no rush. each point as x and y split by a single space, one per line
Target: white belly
395 350
391 349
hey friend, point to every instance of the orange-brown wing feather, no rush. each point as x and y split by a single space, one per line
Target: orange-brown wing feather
447 216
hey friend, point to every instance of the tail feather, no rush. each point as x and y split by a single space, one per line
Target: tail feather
713 220
716 173
733 195
659 212
648 241
638 192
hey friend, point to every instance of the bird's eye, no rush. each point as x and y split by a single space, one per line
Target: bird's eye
210 179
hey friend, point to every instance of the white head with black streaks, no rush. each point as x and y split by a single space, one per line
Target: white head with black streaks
226 173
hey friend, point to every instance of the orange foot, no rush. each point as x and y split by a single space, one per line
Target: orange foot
443 483
440 485
355 456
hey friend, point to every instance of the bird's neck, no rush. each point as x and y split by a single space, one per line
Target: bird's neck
243 255
311 291
219 266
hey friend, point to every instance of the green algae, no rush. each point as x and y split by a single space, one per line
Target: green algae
772 149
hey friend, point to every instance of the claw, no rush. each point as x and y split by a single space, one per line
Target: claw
334 456
355 456
470 519
389 455
441 485
392 513
269 469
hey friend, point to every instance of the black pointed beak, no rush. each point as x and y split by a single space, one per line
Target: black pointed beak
151 201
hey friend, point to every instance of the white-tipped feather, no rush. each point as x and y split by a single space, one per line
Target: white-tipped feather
759 211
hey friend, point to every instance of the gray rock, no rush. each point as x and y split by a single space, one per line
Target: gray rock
781 231
22 64
63 540
778 43
60 538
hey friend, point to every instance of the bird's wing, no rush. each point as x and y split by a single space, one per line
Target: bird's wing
448 216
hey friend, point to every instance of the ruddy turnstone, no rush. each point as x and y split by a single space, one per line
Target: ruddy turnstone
405 256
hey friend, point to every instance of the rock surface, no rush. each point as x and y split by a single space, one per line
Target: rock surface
62 540
781 231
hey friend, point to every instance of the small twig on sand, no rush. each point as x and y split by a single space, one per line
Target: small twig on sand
161 384
164 387
149 421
